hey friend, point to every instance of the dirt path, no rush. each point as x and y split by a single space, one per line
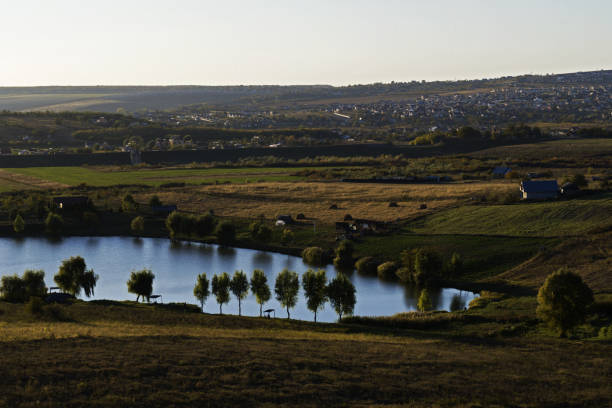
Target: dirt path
29 181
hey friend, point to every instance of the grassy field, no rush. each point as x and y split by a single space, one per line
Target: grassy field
568 148
120 355
555 218
108 176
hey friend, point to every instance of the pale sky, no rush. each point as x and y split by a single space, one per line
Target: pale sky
338 42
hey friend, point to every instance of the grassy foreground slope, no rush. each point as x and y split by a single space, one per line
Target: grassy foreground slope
120 355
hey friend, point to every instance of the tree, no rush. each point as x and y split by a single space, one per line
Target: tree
563 300
260 232
579 180
173 224
54 223
141 284
315 290
226 233
260 288
220 288
424 303
201 291
286 289
20 289
128 203
137 225
427 265
239 285
73 276
204 225
454 267
18 224
154 201
344 255
287 236
341 295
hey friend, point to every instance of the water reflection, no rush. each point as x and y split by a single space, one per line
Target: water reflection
176 265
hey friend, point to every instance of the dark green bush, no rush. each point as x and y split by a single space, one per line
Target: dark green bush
366 265
314 256
387 270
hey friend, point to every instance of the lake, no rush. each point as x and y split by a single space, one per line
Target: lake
176 266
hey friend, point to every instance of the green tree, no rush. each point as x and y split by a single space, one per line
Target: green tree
220 288
427 266
173 224
141 284
563 300
54 223
315 290
341 295
20 289
200 290
424 303
18 224
73 276
579 180
137 225
128 203
204 225
344 256
287 236
387 270
226 233
154 201
239 285
286 289
260 288
454 267
260 232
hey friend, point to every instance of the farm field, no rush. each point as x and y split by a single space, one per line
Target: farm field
314 199
120 354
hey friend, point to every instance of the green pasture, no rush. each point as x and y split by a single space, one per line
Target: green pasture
545 219
155 177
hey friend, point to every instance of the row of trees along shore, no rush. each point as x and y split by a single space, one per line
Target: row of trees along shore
340 291
564 300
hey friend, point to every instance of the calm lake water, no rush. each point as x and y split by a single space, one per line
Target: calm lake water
176 266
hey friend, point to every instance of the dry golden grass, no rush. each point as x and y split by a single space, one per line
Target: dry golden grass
314 199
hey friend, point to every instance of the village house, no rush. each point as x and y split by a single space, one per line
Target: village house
539 190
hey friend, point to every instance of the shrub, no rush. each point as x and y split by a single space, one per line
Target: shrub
605 333
226 233
563 300
387 270
260 232
454 267
344 255
138 225
54 223
204 225
366 265
18 224
128 203
35 306
154 201
313 256
287 236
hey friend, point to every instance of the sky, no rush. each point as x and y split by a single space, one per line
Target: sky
337 42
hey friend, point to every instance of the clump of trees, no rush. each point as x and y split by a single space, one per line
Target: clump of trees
73 277
201 290
141 284
189 225
20 289
564 300
18 224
